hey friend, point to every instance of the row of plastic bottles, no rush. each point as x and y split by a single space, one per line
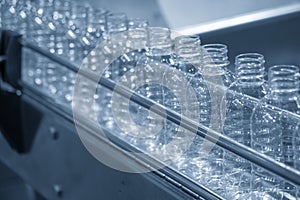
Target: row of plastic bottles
264 115
259 112
255 107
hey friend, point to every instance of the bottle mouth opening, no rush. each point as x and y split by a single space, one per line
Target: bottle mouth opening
117 29
284 78
116 22
185 41
188 51
249 64
137 23
138 33
159 50
284 70
249 57
116 16
284 91
158 31
159 38
97 16
215 46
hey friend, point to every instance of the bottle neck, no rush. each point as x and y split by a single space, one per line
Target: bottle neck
283 80
250 69
116 23
215 59
159 51
137 38
188 48
92 23
215 52
137 33
159 42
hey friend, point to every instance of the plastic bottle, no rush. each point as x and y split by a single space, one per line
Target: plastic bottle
241 98
242 95
215 58
273 126
135 44
152 64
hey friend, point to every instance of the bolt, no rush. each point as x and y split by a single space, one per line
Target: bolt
58 190
53 133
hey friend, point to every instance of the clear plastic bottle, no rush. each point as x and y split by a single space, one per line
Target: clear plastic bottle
242 95
76 27
46 29
273 126
115 32
96 19
183 94
91 31
116 27
132 34
188 52
84 33
136 38
241 98
87 25
159 52
188 61
152 65
215 59
217 78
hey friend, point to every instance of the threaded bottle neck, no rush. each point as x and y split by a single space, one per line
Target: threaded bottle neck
116 23
78 12
188 47
159 41
217 52
137 33
96 16
136 23
250 69
283 79
215 55
215 60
